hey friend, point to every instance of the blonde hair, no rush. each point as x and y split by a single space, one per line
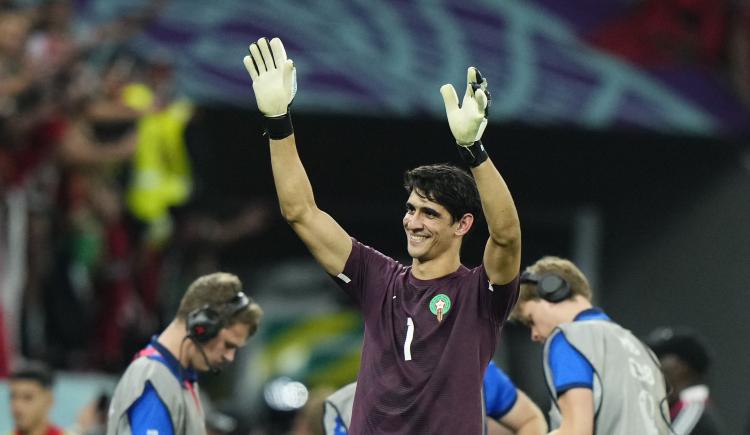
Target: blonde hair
561 267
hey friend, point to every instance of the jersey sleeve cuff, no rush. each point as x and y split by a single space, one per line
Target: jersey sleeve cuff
501 413
563 388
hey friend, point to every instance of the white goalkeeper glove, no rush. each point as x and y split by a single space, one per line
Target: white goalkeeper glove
274 83
468 121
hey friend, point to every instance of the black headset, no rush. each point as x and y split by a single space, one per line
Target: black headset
549 286
204 323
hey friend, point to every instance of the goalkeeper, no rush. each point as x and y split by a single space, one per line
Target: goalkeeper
431 326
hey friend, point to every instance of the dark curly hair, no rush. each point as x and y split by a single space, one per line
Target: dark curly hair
684 343
447 185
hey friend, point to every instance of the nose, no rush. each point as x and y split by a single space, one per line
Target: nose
229 355
412 221
535 336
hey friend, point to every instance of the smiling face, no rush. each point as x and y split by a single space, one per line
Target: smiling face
222 349
430 230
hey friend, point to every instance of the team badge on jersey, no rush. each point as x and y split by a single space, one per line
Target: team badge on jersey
440 305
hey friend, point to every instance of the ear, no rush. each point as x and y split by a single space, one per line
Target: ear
464 224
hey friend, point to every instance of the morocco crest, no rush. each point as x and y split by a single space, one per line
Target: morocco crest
440 305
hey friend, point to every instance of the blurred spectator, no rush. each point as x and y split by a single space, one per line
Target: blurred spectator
94 264
685 360
92 420
31 399
161 175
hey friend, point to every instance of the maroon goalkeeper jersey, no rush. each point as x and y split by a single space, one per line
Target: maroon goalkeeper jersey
426 345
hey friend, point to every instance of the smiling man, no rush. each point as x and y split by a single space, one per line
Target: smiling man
158 394
430 327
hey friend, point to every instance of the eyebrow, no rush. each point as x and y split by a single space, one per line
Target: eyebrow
524 320
424 209
232 344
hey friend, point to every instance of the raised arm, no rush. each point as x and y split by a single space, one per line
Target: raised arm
502 254
275 84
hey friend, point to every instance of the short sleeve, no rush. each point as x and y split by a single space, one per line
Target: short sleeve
149 416
570 369
498 299
499 392
366 270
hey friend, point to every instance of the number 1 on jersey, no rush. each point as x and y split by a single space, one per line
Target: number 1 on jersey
409 338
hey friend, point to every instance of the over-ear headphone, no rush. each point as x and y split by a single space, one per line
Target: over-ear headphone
549 286
204 323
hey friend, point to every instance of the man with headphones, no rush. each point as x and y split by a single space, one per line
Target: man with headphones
158 393
602 379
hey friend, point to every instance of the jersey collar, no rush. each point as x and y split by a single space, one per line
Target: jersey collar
188 374
593 313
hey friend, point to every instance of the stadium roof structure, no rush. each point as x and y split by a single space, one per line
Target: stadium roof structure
545 63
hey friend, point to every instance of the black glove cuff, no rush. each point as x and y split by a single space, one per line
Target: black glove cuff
279 127
473 154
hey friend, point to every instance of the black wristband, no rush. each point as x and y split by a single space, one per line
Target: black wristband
473 154
279 127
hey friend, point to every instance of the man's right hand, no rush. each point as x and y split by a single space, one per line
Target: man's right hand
274 77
